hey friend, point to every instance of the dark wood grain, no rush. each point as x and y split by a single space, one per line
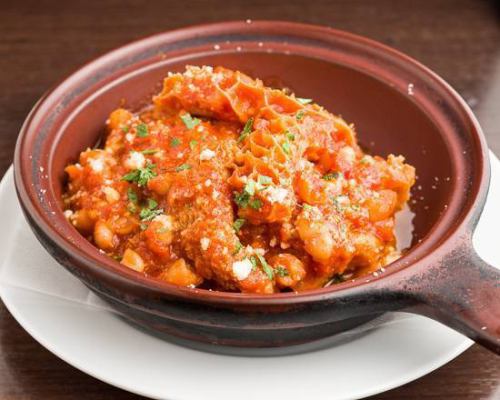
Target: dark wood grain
42 41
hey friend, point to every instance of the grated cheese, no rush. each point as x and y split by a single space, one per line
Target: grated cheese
207 154
111 194
165 220
135 160
96 164
242 269
204 243
276 194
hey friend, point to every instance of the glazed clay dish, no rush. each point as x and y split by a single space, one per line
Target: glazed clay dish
398 107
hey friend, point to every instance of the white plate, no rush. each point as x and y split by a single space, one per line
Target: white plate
100 344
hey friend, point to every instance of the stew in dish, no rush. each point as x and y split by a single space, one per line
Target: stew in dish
226 184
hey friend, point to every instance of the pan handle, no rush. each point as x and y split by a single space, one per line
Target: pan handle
461 291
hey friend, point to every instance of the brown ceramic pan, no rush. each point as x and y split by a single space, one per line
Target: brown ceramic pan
398 106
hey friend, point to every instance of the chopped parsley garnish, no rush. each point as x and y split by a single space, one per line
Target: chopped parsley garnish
307 207
189 121
125 128
237 248
266 267
132 208
286 147
253 260
281 271
237 224
192 144
331 176
290 136
242 199
150 151
141 176
152 203
142 130
256 204
148 213
304 101
247 129
299 115
132 196
183 167
175 142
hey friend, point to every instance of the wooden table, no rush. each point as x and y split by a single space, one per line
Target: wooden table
42 41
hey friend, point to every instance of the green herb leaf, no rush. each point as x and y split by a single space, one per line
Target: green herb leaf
125 128
142 130
237 248
253 260
304 101
237 224
331 176
286 147
256 204
192 144
148 214
247 129
141 175
266 267
189 121
132 196
132 208
152 203
307 207
244 199
150 151
290 136
183 167
281 271
241 199
175 142
300 115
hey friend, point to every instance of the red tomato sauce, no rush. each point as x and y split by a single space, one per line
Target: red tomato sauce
226 184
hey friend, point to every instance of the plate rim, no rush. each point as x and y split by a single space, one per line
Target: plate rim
402 380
